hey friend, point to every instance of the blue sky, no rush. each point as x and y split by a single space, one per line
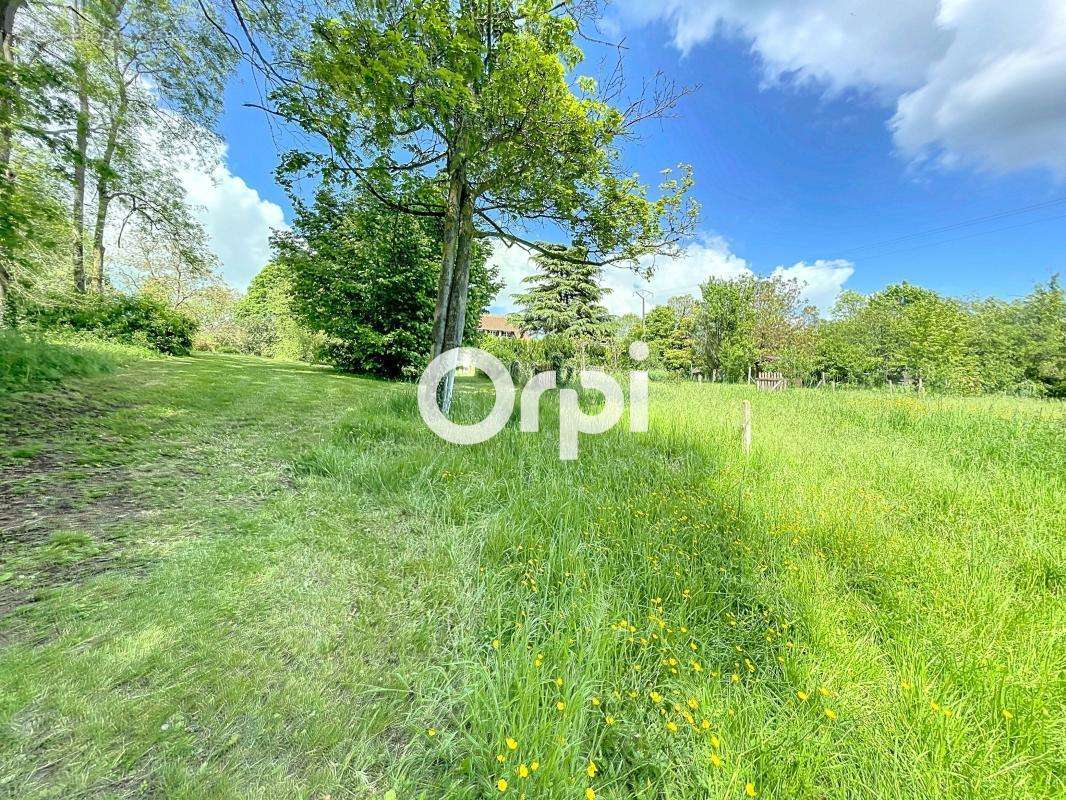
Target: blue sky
813 146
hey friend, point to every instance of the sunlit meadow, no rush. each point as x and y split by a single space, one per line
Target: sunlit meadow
869 606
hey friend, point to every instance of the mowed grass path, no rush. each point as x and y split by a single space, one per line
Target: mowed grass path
226 577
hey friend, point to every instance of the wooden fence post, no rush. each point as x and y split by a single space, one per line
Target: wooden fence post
746 433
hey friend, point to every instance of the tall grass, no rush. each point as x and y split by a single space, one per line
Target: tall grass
32 362
869 606
332 601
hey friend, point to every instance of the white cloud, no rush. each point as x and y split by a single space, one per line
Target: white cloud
709 258
822 281
513 263
237 220
978 81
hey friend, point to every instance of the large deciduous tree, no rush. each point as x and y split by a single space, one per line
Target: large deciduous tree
150 77
482 98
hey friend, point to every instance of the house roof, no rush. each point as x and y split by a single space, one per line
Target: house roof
493 323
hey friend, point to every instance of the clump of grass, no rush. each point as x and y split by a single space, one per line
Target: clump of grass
32 362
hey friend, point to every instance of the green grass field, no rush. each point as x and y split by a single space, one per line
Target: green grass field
224 577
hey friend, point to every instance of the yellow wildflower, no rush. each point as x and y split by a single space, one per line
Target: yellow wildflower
693 703
512 744
495 644
560 706
501 784
749 790
431 732
595 701
671 726
534 766
830 713
715 760
1008 714
802 695
590 794
592 769
715 742
523 771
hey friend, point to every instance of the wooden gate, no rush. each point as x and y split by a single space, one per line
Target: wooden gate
771 382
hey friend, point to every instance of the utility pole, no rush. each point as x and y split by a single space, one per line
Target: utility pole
644 296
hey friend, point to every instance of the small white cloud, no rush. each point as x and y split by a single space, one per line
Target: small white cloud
237 220
822 281
709 258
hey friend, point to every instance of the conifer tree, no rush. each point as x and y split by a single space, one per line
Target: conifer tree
564 298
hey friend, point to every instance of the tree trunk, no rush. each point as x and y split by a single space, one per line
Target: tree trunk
8 8
447 270
81 156
103 190
455 320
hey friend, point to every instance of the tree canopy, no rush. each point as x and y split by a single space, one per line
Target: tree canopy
482 100
365 277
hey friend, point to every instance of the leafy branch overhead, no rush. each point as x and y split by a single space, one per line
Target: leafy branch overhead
415 90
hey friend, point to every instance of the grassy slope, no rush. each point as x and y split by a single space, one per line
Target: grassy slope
32 362
290 581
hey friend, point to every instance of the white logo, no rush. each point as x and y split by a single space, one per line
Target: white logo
572 420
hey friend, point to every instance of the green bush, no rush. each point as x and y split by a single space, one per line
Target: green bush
136 320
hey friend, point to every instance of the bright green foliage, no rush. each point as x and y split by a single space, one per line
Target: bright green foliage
1040 336
421 81
138 320
564 299
34 232
270 325
908 333
725 336
903 334
366 277
669 332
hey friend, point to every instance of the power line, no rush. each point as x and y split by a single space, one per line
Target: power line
961 238
944 229
964 224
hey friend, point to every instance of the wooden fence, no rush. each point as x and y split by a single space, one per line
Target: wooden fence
771 382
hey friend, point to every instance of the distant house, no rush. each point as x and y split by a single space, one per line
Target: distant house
496 325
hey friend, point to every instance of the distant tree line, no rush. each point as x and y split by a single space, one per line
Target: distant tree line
901 335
